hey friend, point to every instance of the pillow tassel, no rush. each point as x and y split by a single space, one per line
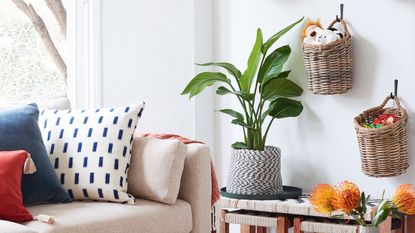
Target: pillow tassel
29 166
44 218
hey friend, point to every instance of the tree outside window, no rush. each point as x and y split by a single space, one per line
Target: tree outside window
28 71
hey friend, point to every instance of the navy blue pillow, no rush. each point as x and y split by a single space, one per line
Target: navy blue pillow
19 130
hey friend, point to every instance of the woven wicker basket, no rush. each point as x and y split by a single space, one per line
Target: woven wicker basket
383 151
329 67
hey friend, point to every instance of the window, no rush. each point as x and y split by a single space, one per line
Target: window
27 70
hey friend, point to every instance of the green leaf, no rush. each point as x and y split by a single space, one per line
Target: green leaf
227 66
363 202
253 62
274 63
280 87
383 211
264 115
242 123
203 80
233 113
240 145
275 37
245 96
223 91
337 216
380 217
283 107
283 74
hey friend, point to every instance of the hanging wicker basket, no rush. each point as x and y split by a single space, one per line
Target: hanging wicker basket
383 151
329 67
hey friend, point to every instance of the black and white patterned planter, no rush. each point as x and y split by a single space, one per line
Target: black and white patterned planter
254 172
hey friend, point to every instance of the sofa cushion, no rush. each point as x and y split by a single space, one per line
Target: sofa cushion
19 130
11 227
11 199
143 217
156 169
90 150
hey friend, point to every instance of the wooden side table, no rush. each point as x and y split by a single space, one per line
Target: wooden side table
257 216
254 222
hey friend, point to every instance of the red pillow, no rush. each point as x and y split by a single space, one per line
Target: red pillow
11 199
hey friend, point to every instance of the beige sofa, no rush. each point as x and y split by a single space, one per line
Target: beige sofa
190 213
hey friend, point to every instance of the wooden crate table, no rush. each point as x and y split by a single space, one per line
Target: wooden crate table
256 216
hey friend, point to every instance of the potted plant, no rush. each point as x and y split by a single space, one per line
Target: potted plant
264 93
347 200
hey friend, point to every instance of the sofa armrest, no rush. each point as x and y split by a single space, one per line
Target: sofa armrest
196 188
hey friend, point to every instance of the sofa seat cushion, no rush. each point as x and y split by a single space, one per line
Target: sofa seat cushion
11 227
142 217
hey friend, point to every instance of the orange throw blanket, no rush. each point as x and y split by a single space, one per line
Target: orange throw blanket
215 186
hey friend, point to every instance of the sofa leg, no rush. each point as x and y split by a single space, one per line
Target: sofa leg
224 226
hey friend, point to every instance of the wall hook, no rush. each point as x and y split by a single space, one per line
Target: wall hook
395 93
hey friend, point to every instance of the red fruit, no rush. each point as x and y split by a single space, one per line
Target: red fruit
377 121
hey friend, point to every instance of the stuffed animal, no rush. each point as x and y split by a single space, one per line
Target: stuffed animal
311 31
314 34
310 28
327 36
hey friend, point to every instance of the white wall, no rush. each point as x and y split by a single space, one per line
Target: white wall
320 145
149 47
148 54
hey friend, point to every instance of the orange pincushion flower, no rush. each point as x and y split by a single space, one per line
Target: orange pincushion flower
321 198
346 197
404 199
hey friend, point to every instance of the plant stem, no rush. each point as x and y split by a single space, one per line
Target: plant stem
256 81
240 101
266 131
255 113
247 135
259 110
362 220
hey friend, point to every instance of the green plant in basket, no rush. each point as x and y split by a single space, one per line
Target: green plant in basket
263 89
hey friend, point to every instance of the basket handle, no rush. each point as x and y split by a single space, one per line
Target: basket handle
396 99
346 29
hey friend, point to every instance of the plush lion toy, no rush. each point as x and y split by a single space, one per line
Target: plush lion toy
309 28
